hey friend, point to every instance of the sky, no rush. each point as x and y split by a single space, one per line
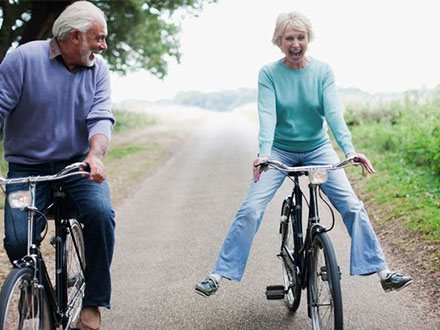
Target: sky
374 45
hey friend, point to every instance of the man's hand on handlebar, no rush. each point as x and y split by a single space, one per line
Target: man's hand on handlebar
97 169
257 167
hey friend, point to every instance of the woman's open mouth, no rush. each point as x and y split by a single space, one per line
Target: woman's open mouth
295 54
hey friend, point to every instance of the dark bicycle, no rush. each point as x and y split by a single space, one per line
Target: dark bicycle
310 262
28 299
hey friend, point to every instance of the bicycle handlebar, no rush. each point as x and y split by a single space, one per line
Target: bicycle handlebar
64 173
350 161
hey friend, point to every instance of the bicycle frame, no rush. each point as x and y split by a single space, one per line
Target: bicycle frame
302 246
56 295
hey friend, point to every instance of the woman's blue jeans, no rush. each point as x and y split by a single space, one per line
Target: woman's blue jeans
95 213
366 255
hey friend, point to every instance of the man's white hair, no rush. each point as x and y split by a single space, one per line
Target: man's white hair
80 15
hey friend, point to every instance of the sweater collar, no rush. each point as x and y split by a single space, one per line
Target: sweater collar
54 49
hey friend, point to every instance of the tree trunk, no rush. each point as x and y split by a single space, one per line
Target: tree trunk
6 32
42 13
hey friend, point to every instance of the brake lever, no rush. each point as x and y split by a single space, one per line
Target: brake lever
357 162
262 167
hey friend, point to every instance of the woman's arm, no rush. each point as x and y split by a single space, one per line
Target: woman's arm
333 113
266 113
336 122
267 120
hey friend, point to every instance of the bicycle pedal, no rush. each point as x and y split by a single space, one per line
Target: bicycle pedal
71 281
323 273
275 292
53 241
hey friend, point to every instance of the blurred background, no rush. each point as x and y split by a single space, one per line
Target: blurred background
174 61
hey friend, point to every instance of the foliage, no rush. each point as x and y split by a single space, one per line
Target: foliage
218 101
3 163
354 99
409 126
126 120
402 138
124 151
142 33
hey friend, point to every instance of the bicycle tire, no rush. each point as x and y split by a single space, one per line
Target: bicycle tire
22 304
73 265
291 287
324 286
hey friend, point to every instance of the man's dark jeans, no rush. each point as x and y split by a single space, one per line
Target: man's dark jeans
94 212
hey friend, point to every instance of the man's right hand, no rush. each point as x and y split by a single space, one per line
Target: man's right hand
257 168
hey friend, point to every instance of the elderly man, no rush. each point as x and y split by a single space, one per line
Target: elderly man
55 100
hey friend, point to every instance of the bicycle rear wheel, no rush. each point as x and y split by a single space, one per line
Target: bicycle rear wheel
291 287
22 304
73 266
324 286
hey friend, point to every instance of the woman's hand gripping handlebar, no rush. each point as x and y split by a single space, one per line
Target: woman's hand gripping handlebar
259 166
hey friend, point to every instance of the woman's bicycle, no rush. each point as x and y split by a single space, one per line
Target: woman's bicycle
28 299
310 262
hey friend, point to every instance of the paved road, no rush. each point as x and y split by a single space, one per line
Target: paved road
170 231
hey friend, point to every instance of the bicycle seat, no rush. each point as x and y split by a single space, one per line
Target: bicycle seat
66 206
67 211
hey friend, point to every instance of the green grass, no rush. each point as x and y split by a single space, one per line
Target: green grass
123 151
126 120
404 145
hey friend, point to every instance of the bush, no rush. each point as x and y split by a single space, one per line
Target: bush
126 120
409 126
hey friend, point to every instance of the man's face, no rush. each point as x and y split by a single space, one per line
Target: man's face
93 42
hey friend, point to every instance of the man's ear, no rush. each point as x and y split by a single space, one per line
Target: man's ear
75 36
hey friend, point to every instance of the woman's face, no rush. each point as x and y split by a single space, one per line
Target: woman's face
294 45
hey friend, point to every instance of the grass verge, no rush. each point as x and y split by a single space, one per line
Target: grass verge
403 199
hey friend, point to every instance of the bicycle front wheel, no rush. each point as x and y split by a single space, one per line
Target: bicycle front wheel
291 287
23 305
325 299
73 266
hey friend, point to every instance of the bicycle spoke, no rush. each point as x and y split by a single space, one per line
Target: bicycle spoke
293 291
73 266
22 307
326 303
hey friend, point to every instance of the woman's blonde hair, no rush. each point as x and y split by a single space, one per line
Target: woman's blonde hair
296 20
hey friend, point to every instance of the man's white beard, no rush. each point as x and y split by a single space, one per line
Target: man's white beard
85 55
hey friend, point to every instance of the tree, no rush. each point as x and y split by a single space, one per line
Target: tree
142 33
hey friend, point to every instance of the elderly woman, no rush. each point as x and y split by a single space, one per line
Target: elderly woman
296 96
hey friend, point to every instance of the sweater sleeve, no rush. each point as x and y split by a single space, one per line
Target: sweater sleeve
266 112
100 119
333 113
11 82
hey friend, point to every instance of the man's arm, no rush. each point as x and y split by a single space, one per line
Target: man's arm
11 82
99 144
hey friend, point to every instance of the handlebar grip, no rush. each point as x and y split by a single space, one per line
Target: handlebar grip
85 167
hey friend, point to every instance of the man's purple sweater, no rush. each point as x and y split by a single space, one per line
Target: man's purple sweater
50 112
